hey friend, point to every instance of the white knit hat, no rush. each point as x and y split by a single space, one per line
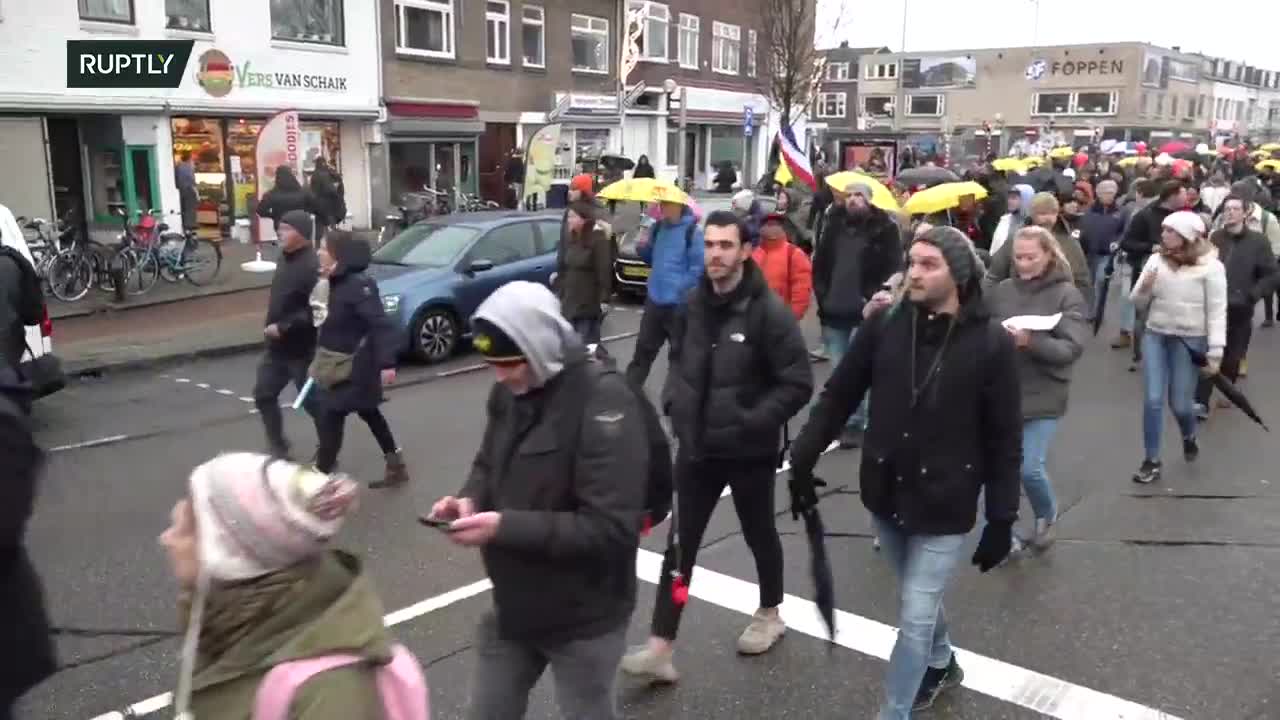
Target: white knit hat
742 200
1187 224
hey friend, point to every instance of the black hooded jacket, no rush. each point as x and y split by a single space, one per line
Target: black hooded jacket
287 194
289 305
854 258
926 459
356 315
743 371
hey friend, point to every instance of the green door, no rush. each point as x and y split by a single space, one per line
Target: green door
141 186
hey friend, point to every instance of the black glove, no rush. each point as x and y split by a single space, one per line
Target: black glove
994 547
804 491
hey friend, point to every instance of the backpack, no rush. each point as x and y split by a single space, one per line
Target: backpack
30 308
660 483
401 685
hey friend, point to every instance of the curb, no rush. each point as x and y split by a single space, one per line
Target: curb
126 307
91 368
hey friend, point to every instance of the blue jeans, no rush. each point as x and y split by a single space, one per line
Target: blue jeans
924 564
837 342
1167 368
1037 436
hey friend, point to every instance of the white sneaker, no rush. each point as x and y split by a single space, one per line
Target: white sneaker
763 633
651 665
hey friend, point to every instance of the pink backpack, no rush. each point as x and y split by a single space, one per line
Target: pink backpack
401 685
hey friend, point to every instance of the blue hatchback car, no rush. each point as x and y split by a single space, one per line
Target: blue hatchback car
434 274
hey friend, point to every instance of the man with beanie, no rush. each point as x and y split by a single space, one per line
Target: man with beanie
673 249
745 205
554 502
1046 213
860 249
1100 231
743 373
943 379
289 331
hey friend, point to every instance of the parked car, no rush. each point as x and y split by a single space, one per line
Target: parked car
631 274
434 274
39 364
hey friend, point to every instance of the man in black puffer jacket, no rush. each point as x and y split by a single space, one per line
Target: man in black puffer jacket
860 250
743 372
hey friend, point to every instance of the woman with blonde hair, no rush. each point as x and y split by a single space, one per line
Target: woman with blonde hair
1183 288
1041 284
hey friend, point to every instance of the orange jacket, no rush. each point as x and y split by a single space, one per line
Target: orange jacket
788 271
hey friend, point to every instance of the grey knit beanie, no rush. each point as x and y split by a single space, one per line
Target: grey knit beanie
959 253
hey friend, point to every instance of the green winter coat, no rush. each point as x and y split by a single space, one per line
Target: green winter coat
338 613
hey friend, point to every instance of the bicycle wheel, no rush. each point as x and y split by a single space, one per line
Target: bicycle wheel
70 275
202 262
108 263
143 275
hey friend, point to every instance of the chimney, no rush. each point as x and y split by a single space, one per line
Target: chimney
1177 48
844 44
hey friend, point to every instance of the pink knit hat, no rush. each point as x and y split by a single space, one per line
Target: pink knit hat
256 515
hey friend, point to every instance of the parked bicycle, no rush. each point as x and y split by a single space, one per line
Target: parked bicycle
50 247
149 251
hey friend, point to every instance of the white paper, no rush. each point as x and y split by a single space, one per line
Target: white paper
1033 322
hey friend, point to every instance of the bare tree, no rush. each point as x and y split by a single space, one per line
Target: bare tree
795 65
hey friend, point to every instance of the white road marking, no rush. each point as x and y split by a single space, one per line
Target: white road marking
246 399
224 391
203 386
182 380
89 443
786 466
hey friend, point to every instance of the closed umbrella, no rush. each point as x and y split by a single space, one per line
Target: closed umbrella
927 176
1226 387
1104 290
804 504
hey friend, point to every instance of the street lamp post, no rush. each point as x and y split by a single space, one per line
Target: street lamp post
670 87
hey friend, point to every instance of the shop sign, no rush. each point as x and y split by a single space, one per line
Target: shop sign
218 75
1039 68
580 104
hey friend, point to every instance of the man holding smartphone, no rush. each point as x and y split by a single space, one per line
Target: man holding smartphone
554 502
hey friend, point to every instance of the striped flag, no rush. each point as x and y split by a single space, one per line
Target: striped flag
796 160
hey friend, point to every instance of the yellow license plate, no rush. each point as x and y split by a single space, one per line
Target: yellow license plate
635 271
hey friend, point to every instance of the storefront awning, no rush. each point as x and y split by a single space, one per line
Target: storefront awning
38 102
417 127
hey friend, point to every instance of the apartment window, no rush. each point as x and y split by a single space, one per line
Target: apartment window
1051 103
1190 113
1200 107
751 53
1159 105
831 105
1173 106
1143 101
690 26
114 11
673 146
726 47
655 21
924 105
533 35
886 71
838 71
590 43
311 21
879 106
425 27
189 15
497 25
1095 103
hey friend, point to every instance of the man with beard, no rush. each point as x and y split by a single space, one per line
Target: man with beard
1046 213
860 250
743 371
942 376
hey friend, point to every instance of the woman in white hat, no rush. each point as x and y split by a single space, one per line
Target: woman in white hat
1183 289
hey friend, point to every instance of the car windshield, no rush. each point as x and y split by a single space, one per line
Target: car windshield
427 245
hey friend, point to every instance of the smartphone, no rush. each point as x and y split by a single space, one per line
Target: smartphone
441 525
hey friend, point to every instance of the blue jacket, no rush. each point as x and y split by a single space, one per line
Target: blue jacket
1099 228
676 267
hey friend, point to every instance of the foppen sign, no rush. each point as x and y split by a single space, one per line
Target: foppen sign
1070 68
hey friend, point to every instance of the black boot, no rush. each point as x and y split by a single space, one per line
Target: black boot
397 472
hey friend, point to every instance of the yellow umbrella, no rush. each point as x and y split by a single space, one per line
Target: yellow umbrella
1061 152
881 196
1034 161
1273 165
1010 164
644 190
1270 147
943 197
1127 162
1259 154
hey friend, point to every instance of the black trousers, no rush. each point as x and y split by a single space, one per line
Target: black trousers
659 324
331 425
1239 332
1268 305
274 373
698 488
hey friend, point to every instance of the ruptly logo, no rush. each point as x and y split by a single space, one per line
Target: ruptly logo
215 73
127 63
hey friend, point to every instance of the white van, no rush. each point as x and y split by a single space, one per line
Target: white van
39 337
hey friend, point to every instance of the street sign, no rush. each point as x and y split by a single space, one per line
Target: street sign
748 114
629 100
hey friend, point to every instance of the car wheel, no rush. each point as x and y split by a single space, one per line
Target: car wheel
435 335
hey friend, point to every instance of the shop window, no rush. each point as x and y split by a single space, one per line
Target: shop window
751 53
726 48
590 43
497 22
1102 103
1051 103
655 21
878 106
424 27
113 11
690 26
924 105
533 36
589 145
311 21
832 105
189 15
837 72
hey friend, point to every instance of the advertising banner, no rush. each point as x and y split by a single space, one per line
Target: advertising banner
540 161
279 144
960 71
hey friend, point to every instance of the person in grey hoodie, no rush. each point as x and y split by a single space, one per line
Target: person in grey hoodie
554 502
1041 284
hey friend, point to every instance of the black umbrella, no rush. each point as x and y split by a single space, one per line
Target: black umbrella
619 161
928 176
1104 289
804 503
1227 387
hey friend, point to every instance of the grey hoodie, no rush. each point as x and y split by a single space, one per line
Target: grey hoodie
530 315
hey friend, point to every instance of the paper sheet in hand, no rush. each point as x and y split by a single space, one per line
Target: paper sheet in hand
1033 322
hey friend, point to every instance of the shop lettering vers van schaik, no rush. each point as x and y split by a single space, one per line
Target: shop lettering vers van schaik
217 74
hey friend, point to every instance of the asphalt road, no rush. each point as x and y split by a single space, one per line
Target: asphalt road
1163 596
